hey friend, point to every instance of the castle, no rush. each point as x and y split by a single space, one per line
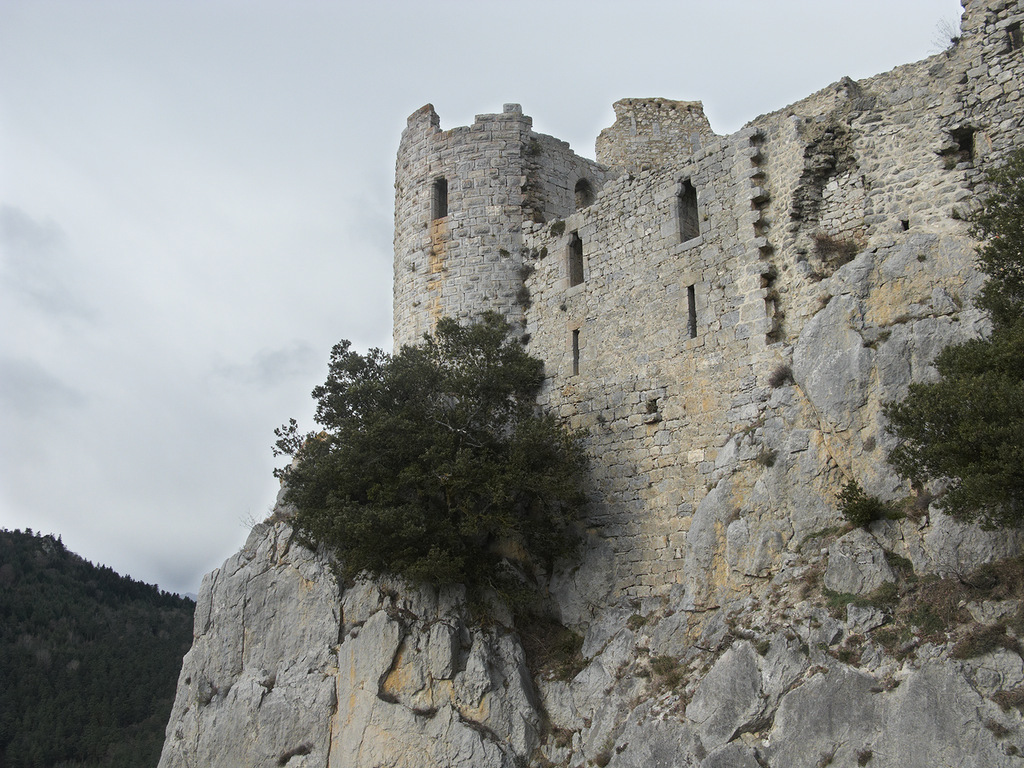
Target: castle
725 316
666 286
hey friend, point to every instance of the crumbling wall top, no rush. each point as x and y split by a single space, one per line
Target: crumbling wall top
424 117
651 133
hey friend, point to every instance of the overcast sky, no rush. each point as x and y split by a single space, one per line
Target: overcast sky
196 204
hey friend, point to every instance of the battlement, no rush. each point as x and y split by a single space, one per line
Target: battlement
679 287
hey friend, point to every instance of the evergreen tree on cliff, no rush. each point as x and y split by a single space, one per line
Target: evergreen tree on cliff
435 463
967 427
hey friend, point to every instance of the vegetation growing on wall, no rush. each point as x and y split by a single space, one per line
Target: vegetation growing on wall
967 428
435 463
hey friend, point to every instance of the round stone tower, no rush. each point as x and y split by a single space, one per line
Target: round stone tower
458 217
461 197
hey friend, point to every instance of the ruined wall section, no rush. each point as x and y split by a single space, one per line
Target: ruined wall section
653 133
858 166
877 169
656 351
992 55
558 181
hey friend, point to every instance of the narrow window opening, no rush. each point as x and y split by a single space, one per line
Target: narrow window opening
576 352
1015 36
691 311
689 220
905 223
575 260
439 199
584 194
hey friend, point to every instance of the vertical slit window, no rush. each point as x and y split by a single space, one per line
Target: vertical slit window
576 352
575 260
439 199
691 311
689 220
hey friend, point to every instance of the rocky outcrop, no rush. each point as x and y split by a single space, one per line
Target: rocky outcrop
290 668
259 681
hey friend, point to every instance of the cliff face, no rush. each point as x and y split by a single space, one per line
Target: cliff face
289 668
725 318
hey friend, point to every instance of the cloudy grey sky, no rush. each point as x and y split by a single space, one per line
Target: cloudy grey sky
196 203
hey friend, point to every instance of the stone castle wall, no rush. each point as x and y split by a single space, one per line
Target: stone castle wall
725 316
740 306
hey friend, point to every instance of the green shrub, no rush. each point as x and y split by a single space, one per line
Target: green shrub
636 621
434 463
967 428
668 670
982 639
552 650
858 508
929 621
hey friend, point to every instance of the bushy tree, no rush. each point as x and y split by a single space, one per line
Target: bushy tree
435 463
967 428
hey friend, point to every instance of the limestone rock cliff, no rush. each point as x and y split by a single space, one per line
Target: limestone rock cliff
781 647
290 668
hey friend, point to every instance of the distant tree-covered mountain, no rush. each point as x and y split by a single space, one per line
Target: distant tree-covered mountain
89 659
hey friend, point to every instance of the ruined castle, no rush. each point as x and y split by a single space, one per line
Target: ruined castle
724 316
666 284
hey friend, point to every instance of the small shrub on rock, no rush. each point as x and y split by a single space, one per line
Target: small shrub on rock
781 376
302 749
982 639
834 251
553 651
668 670
1010 699
858 508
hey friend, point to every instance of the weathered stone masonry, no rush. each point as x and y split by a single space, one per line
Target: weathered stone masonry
470 259
672 338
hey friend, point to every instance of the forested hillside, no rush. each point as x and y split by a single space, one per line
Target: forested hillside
88 659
